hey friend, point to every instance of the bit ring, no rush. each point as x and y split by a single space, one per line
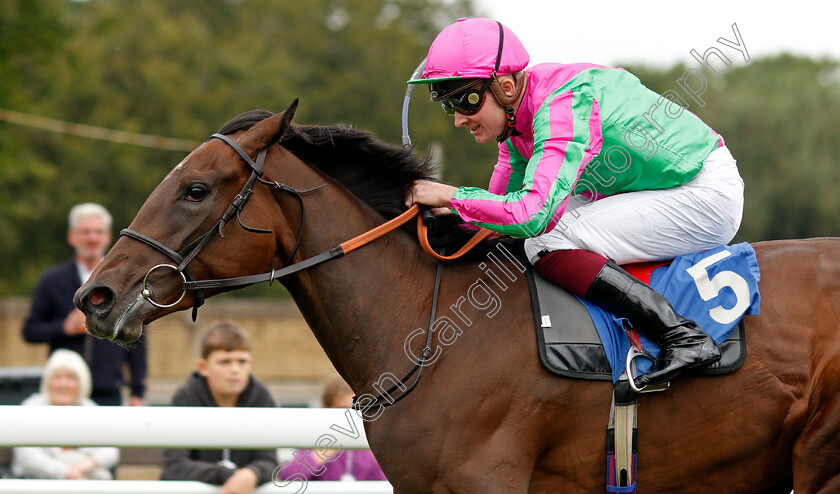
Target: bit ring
147 294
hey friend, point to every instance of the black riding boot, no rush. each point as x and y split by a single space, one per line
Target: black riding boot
684 344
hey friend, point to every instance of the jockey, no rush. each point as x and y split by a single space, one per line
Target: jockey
594 170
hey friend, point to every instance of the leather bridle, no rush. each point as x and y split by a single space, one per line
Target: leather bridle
186 255
183 258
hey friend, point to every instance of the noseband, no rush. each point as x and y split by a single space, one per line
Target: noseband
183 257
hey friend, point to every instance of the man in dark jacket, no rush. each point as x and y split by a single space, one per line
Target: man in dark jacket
223 379
54 320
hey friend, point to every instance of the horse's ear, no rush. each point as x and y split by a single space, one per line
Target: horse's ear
270 130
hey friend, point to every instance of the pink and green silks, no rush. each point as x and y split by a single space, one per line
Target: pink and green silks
585 129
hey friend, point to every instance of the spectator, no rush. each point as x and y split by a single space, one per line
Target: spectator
223 379
53 320
335 464
66 382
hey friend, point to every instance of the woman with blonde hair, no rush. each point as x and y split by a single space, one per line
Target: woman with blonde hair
66 382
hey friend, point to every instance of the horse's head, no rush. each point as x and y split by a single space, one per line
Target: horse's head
189 227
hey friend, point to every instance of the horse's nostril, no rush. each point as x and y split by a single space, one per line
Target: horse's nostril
98 297
95 299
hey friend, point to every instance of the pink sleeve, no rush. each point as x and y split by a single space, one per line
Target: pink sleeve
501 172
567 135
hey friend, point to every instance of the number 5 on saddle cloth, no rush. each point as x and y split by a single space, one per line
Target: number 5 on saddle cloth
580 340
715 288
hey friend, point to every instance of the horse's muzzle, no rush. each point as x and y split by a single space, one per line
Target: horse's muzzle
95 300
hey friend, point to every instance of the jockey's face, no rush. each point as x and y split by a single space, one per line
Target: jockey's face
491 120
487 124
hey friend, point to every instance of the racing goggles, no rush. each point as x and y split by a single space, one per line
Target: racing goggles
466 99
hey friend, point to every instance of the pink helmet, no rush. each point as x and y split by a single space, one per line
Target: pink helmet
469 49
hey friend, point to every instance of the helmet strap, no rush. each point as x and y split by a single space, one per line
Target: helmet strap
521 81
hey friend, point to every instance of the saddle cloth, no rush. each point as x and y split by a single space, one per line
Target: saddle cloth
716 288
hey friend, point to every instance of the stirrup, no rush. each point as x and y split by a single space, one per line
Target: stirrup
630 369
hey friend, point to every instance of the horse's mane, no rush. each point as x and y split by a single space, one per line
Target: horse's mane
376 172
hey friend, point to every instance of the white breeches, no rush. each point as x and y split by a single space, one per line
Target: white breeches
654 225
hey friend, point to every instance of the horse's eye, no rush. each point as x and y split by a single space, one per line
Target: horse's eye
195 193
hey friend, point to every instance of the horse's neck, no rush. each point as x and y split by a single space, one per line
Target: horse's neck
361 307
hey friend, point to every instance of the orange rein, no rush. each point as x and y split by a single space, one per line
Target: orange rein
422 233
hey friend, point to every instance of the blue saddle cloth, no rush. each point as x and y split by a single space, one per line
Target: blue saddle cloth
715 288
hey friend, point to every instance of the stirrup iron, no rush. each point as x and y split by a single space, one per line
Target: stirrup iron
630 370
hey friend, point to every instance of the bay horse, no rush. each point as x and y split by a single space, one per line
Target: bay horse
486 417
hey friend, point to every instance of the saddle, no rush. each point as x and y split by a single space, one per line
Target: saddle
577 339
569 345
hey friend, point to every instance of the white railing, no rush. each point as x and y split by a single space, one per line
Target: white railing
15 486
180 427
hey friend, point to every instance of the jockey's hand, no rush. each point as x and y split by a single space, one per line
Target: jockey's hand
428 193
